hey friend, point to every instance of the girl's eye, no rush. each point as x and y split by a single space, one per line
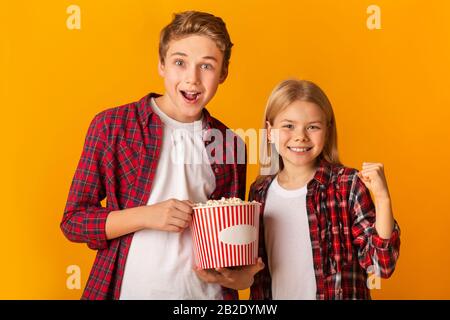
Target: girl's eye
288 126
313 127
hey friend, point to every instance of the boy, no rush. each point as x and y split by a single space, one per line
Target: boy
129 157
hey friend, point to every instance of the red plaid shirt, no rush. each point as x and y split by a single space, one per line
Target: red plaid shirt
119 161
344 240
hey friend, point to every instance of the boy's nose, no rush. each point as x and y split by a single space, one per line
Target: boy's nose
192 76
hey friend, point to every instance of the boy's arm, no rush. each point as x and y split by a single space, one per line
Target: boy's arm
84 218
373 250
171 215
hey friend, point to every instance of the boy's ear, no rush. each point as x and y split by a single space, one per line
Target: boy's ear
223 76
161 68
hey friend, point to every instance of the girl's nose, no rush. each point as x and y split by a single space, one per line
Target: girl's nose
301 136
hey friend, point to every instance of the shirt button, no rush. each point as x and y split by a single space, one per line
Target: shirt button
217 170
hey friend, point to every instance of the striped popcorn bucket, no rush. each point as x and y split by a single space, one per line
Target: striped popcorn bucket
225 235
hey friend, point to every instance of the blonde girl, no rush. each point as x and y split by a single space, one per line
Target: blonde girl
321 234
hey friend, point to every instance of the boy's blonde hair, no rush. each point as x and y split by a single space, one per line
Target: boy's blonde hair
197 23
283 95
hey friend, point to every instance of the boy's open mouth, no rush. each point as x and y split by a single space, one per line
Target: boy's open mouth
190 96
299 150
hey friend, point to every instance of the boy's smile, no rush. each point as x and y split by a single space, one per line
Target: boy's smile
192 72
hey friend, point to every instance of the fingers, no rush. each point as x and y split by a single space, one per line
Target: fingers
225 272
251 269
236 278
255 268
370 169
209 276
372 166
173 228
189 202
180 214
180 223
183 206
260 265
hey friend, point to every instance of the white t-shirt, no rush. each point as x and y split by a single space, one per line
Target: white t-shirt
159 263
288 244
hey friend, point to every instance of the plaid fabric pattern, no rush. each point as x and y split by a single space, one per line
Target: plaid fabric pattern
344 240
119 161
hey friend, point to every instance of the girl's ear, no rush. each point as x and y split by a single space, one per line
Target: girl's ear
269 132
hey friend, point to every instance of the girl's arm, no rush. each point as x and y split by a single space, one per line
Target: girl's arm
376 234
372 175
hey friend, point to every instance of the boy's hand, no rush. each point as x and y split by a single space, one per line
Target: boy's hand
372 175
170 215
238 278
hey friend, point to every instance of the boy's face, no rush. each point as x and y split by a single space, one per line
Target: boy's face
192 71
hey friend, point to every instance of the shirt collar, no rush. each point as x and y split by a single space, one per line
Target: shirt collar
323 172
322 176
145 111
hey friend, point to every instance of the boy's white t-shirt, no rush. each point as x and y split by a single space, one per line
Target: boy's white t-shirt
159 263
288 244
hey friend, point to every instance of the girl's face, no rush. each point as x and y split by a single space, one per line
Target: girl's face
299 133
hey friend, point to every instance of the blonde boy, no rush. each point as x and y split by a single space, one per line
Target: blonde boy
143 246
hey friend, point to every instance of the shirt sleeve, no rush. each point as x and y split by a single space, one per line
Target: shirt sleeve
84 218
375 254
261 287
242 176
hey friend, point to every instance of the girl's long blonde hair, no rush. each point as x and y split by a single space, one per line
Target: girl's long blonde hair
283 95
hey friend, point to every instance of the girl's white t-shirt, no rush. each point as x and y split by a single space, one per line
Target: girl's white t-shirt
159 263
288 244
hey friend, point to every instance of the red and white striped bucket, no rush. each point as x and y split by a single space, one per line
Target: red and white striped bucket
225 235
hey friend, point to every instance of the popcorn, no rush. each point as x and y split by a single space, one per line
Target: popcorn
223 202
225 233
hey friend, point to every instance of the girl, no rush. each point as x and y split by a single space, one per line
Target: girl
321 234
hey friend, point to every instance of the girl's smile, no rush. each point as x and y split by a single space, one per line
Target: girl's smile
299 150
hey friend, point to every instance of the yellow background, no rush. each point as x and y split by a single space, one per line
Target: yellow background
389 89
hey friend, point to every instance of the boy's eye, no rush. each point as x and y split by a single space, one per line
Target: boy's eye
179 62
206 66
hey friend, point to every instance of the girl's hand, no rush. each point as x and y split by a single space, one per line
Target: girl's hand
238 278
372 175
